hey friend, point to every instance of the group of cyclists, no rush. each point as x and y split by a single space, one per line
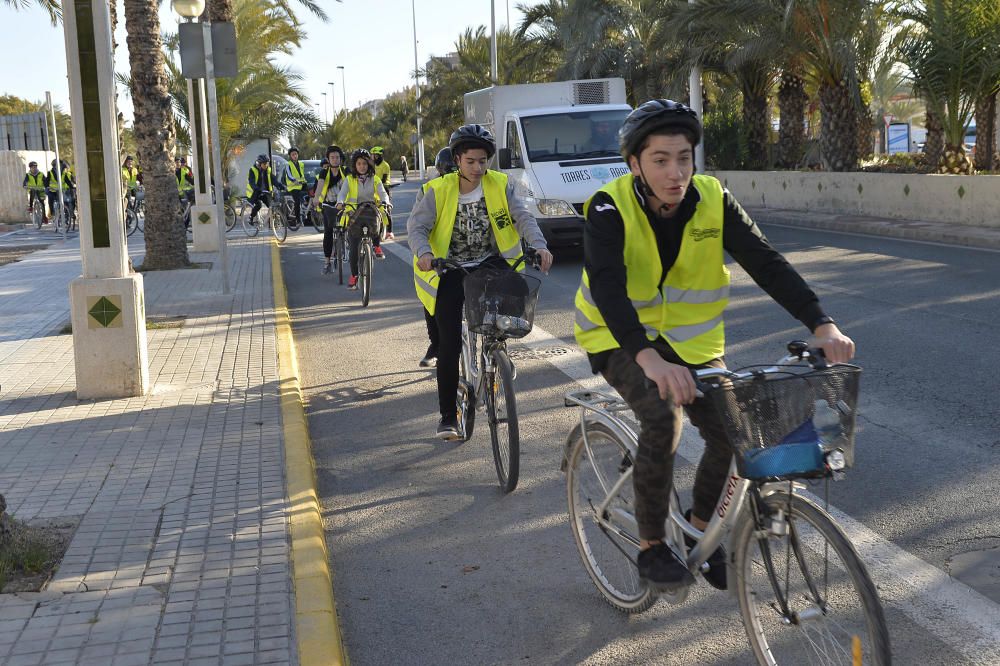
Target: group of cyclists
44 187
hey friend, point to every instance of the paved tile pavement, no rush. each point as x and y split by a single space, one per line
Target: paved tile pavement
182 551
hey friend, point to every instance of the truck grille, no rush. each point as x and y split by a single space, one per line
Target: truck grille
591 92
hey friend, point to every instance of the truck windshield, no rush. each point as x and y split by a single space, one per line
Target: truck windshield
572 135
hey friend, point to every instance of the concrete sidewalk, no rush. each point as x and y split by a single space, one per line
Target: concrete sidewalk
182 554
918 230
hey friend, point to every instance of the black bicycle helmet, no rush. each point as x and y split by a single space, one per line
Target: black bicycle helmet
472 136
444 162
365 154
293 149
656 114
263 159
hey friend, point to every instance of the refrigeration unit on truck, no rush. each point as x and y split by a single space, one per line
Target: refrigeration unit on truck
557 142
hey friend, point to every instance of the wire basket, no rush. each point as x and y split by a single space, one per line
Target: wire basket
781 426
361 218
500 303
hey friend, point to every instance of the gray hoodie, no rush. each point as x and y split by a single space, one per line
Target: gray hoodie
424 215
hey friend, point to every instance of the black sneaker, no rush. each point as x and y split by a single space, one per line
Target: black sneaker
430 358
661 569
448 428
716 574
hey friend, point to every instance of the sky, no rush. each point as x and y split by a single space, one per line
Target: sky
374 43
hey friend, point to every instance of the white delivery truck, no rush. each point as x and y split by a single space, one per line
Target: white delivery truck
557 142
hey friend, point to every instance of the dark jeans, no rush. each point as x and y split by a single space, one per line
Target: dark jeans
258 198
432 332
330 217
297 197
36 194
354 239
659 435
448 316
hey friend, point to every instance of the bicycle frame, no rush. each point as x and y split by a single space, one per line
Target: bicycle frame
478 358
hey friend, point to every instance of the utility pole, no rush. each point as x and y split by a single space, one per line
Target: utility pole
493 42
421 164
695 103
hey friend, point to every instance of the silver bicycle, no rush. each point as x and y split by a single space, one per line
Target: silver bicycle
804 594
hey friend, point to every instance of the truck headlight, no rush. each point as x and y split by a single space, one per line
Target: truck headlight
555 208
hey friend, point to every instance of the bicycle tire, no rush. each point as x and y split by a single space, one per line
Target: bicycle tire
37 214
251 227
365 273
465 402
279 227
795 641
230 215
339 256
131 222
501 409
317 221
608 558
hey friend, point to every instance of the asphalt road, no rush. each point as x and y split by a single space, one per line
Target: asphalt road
433 565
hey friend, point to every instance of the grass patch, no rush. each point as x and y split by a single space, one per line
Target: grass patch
152 324
31 552
12 253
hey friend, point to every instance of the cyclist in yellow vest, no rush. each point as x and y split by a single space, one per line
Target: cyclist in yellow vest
259 185
328 183
359 187
34 182
384 175
68 185
131 179
650 307
185 180
470 215
295 182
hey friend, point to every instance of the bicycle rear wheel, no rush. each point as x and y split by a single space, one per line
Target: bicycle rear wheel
365 273
278 225
834 613
501 408
465 402
593 468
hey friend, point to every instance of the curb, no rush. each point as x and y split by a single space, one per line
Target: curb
914 230
316 625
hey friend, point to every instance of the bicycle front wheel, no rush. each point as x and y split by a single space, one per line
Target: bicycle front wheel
501 408
804 594
230 217
338 256
609 555
131 221
37 214
278 225
251 226
365 273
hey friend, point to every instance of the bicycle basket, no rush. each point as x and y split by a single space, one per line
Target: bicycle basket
500 302
782 425
364 217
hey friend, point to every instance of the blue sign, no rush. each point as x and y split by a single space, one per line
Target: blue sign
899 138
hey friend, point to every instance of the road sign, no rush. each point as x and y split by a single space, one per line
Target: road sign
193 50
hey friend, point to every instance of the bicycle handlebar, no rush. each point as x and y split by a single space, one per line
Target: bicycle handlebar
442 264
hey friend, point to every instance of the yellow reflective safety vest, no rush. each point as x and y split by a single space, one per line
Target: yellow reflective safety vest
446 201
686 310
383 172
35 182
183 184
352 190
326 182
255 179
53 180
130 177
297 179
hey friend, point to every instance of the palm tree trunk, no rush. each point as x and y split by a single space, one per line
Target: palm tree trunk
220 10
986 144
792 100
756 121
934 143
154 136
838 136
866 134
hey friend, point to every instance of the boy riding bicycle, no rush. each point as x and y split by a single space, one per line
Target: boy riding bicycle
650 307
359 187
34 182
470 215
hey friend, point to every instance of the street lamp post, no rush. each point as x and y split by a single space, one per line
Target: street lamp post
694 84
421 165
493 42
326 118
333 101
343 85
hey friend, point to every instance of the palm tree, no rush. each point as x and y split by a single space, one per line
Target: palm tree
949 54
154 135
52 7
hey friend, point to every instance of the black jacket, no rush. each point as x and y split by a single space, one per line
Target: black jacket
604 244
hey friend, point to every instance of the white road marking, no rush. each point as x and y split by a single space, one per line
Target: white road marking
953 612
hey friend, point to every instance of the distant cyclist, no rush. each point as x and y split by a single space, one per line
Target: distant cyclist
52 184
185 180
384 175
327 188
295 182
650 307
357 188
260 187
470 215
34 182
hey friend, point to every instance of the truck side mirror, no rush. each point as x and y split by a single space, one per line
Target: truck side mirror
503 158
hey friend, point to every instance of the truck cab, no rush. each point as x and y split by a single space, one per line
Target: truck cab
558 154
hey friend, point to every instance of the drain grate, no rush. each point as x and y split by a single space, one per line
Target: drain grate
525 353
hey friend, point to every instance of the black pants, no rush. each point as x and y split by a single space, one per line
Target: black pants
258 198
432 332
297 197
36 194
448 316
330 217
659 436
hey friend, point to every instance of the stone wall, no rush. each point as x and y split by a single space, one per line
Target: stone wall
972 200
13 166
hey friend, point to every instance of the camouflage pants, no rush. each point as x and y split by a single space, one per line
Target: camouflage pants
659 436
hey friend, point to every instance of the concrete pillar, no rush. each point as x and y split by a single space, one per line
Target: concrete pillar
203 229
106 304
